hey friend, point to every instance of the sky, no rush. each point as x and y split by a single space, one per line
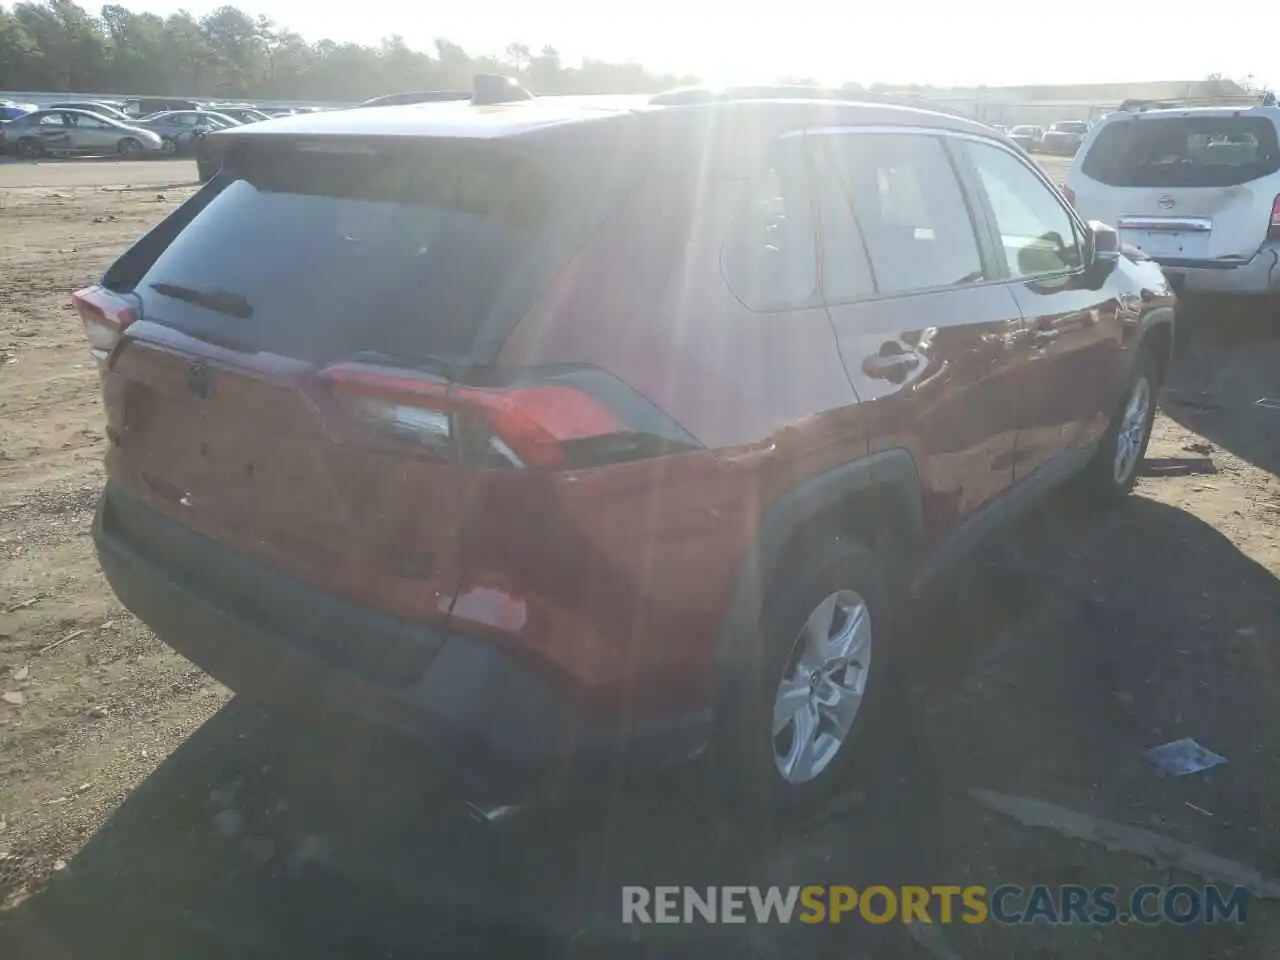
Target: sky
991 42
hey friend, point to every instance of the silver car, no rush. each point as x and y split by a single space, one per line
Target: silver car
47 132
178 128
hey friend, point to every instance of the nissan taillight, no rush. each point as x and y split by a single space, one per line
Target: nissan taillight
1273 228
105 315
535 420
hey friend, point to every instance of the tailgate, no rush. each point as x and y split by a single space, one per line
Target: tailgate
1210 223
237 448
307 254
292 262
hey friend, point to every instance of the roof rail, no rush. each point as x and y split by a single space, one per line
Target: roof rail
792 91
1264 99
774 91
494 88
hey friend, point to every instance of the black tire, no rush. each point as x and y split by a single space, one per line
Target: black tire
29 147
129 148
748 778
1102 482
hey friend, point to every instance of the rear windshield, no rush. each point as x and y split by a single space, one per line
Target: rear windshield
1183 152
322 255
1070 126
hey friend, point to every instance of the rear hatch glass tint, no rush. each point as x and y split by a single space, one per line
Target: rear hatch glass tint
1216 151
322 254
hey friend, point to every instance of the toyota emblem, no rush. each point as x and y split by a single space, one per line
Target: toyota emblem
1166 202
200 379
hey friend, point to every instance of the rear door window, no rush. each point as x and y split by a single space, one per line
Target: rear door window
329 254
1183 152
917 226
846 269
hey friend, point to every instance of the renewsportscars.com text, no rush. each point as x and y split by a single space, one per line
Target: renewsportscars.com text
1180 904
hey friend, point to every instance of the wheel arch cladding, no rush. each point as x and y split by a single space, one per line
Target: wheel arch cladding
1157 335
877 497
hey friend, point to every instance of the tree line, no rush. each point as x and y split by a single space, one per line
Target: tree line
57 45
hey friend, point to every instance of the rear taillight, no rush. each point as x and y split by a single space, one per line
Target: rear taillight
1069 194
105 316
1273 228
564 420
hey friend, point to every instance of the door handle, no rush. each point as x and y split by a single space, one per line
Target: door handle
890 366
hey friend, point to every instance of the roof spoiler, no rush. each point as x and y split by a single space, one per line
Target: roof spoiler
490 88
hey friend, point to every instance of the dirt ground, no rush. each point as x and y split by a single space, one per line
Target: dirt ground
146 813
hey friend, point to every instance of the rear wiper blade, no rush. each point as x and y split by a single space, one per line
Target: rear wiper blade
221 301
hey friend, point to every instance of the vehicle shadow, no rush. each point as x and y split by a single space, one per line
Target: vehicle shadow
269 836
1084 641
1228 360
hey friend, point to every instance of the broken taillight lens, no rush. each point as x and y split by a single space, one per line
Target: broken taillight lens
560 422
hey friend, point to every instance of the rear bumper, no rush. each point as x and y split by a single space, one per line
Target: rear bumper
1257 276
496 722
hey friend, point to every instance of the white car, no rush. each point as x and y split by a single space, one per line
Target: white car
1195 189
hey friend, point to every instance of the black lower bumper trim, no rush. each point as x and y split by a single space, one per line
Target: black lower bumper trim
487 715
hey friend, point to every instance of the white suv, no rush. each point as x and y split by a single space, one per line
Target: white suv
1197 190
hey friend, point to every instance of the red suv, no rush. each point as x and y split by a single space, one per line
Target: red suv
573 429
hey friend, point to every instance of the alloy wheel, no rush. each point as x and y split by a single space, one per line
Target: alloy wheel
1133 431
822 687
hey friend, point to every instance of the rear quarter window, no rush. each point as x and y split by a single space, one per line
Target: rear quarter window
1183 152
770 258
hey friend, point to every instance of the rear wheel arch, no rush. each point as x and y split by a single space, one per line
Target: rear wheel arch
875 499
842 531
1156 337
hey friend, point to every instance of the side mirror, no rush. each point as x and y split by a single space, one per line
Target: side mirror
1104 242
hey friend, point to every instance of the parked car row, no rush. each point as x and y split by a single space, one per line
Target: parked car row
128 128
10 109
243 111
63 132
1062 138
